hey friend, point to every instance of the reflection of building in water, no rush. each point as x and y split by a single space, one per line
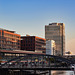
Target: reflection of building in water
58 73
62 72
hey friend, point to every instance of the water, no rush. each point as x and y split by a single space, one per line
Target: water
62 73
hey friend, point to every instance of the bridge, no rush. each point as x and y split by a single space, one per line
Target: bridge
35 63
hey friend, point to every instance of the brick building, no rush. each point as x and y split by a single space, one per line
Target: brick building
33 43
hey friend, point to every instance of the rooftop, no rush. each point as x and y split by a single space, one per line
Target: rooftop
33 36
56 23
7 30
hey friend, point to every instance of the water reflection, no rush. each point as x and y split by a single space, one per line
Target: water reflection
62 73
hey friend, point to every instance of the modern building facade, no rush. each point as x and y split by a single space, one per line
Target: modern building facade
6 55
50 47
56 32
9 40
33 43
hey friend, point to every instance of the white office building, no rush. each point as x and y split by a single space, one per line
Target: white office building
50 47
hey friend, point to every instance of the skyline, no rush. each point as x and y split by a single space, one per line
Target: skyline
27 16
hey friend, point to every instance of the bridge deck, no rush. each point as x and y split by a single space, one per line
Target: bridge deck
36 69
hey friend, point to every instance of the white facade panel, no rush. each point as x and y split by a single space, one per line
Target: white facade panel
50 44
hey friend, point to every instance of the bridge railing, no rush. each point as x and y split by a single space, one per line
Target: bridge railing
36 61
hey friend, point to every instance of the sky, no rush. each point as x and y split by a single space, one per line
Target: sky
31 16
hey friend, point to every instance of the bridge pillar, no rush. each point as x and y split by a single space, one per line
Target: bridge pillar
11 72
20 72
4 72
49 72
34 72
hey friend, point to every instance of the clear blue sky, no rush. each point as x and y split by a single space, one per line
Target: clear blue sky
31 16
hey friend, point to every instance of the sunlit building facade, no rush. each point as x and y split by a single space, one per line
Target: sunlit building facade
9 40
51 47
56 32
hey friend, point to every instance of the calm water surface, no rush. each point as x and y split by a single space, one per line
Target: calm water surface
62 73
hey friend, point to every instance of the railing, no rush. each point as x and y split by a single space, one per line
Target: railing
37 61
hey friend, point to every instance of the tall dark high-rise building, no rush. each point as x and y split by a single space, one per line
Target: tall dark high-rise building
56 32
